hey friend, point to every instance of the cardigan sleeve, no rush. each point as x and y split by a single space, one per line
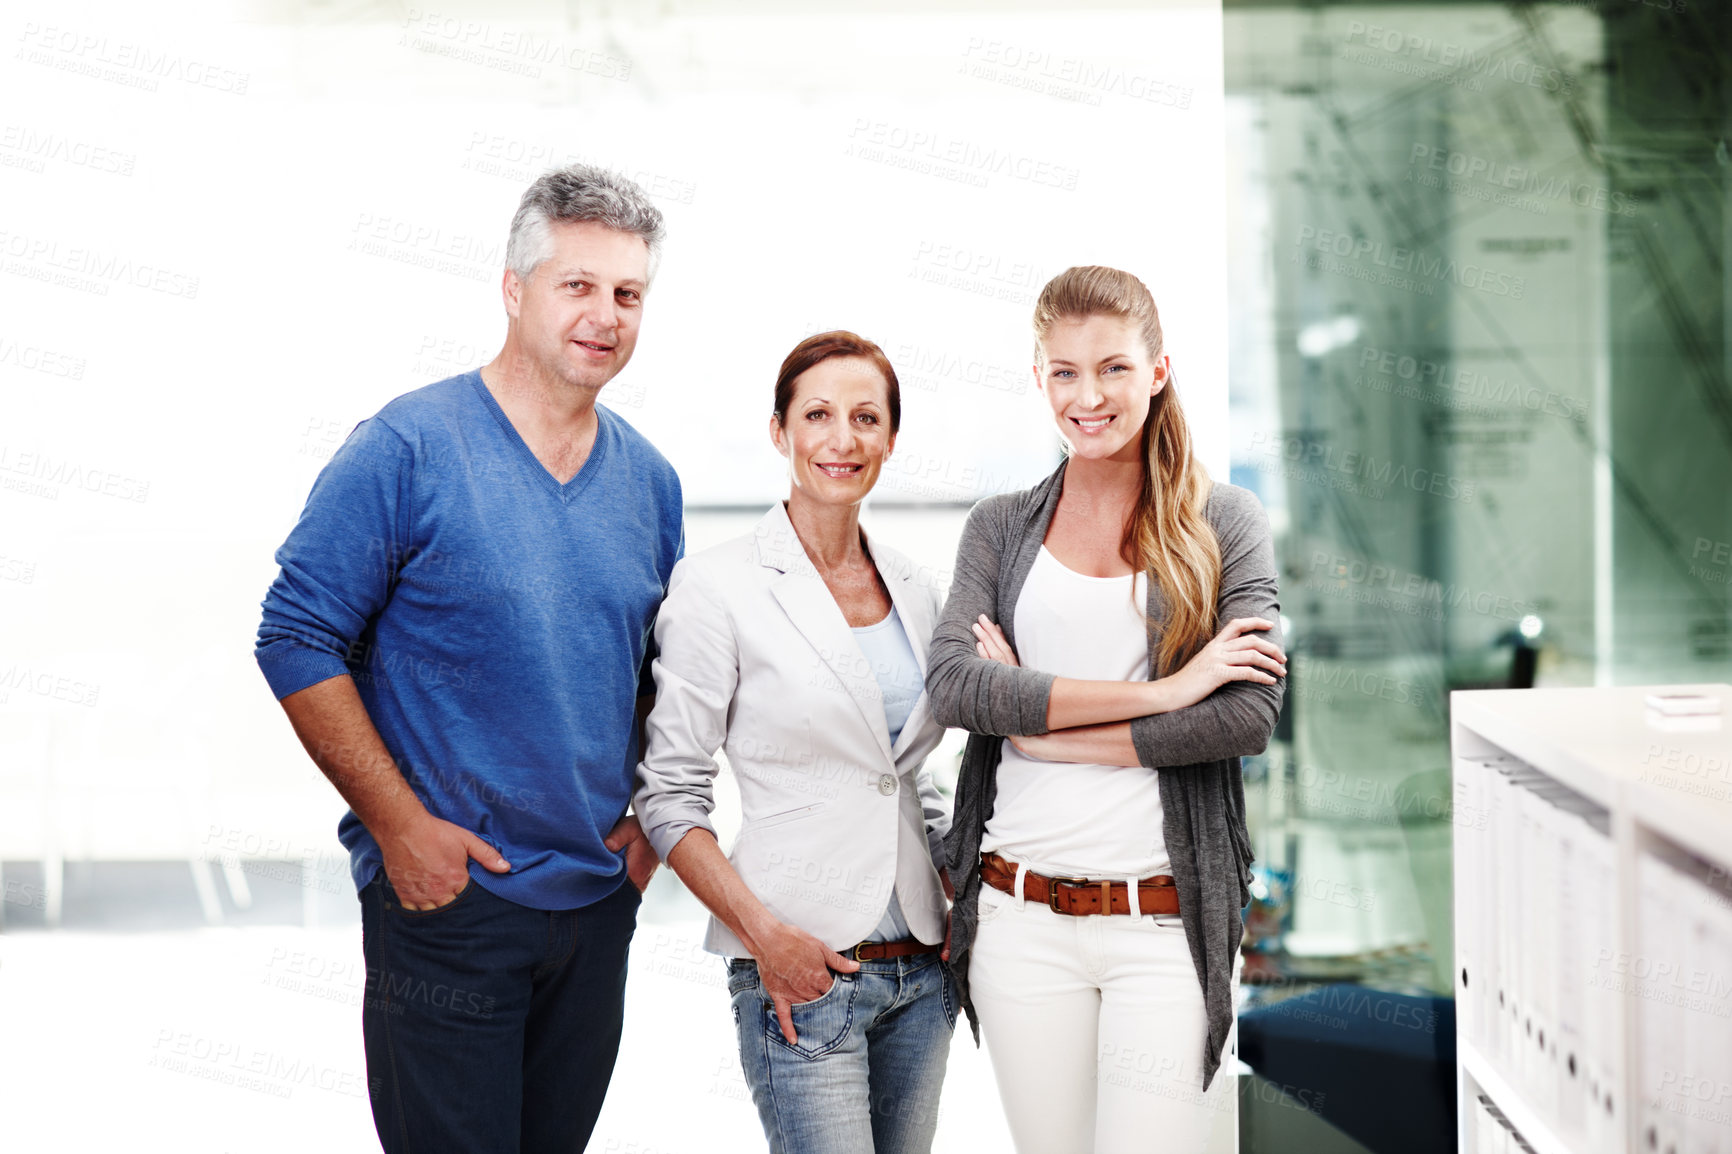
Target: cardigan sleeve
1237 719
967 690
935 808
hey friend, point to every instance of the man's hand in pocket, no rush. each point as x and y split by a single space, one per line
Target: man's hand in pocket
640 857
427 862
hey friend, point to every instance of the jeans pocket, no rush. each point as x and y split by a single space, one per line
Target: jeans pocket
952 995
742 976
469 887
835 984
821 1025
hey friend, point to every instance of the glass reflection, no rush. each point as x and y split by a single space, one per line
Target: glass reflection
1479 376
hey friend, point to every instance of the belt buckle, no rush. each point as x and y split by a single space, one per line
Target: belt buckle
1052 891
854 952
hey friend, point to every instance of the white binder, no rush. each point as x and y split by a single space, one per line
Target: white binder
1706 1092
1471 894
1653 975
1575 911
1502 911
1545 880
1718 951
1603 999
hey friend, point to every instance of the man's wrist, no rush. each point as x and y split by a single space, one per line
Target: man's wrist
397 820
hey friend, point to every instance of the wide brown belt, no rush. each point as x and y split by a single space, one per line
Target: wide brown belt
1081 896
873 951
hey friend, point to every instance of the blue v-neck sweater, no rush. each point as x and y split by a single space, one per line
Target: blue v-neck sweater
495 623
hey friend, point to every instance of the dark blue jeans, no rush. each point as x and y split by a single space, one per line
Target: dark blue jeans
491 1028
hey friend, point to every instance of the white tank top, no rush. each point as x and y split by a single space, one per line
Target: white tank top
1061 817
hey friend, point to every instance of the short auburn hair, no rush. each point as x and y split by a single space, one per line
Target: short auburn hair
821 347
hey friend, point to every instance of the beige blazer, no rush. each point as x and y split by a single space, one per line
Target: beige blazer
756 659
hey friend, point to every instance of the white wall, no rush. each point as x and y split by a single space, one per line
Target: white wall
259 223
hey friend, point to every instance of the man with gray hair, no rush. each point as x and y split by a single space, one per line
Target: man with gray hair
459 635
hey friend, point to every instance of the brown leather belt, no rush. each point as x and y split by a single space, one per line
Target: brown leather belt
873 951
1081 896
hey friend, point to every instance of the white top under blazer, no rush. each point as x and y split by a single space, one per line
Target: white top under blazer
1060 817
755 658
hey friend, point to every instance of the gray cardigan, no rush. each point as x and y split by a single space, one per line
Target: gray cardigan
1196 750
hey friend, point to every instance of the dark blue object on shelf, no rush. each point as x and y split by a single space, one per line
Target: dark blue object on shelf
1380 1067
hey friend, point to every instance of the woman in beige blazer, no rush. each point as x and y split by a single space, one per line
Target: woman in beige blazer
800 650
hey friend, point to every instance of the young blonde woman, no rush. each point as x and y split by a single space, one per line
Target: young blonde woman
1112 640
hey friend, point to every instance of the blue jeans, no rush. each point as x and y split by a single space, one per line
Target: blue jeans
866 1075
490 1027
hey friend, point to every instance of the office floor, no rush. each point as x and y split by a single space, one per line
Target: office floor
135 1026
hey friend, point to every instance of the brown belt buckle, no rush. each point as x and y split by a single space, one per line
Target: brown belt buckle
1052 890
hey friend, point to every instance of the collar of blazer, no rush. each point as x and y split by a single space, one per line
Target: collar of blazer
807 601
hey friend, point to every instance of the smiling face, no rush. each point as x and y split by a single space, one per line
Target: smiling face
1099 378
836 432
577 314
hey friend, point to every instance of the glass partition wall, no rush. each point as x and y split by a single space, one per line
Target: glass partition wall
1479 377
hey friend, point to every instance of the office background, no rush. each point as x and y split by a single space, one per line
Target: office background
233 232
1445 285
1479 371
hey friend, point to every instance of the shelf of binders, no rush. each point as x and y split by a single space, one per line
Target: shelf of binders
1506 1128
1593 921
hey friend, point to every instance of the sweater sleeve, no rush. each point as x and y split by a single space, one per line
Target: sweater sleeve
339 561
968 690
1237 719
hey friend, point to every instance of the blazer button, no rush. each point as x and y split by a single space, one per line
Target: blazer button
887 785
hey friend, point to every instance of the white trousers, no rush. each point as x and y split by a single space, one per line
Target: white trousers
1095 1027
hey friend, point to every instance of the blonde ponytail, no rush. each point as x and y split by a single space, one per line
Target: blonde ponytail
1168 534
